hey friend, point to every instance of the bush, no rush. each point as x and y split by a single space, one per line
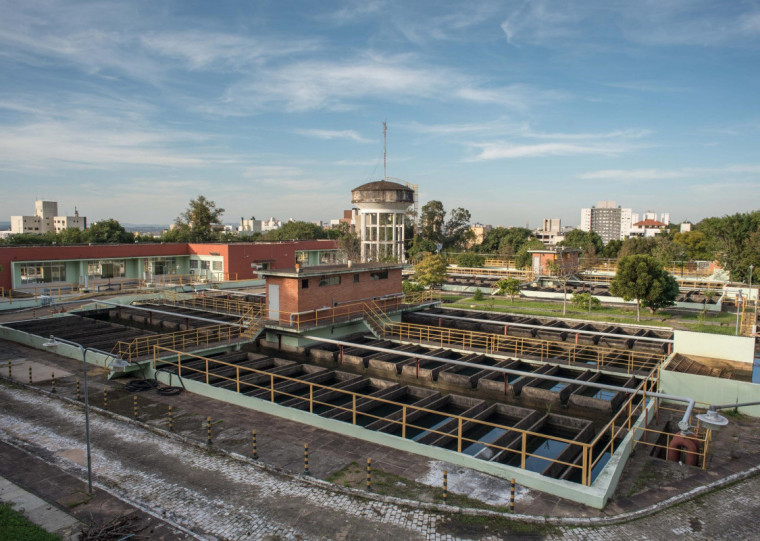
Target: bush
582 300
471 260
411 287
478 296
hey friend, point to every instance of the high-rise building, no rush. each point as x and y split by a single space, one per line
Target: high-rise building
46 220
608 220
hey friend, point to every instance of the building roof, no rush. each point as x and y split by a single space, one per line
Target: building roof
382 185
323 270
649 223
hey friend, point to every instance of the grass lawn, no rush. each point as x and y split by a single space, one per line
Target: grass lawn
15 526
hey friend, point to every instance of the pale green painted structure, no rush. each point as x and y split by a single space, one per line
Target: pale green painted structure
717 346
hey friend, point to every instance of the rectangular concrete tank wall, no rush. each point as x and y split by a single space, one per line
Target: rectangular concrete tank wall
730 348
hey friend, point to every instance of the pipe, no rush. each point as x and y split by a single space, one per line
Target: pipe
511 324
683 424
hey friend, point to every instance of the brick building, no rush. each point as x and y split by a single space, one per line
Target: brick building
298 295
30 266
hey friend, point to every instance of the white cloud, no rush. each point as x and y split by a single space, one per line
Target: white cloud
496 151
625 175
655 22
351 135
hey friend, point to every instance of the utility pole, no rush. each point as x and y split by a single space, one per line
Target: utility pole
385 132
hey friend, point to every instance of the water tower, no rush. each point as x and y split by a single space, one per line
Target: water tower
382 206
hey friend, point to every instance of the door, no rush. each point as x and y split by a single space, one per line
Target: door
273 301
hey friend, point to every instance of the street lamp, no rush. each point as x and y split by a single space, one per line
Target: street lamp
738 302
117 364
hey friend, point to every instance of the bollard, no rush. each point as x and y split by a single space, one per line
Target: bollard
52 382
306 459
255 449
134 400
171 420
105 399
445 486
79 395
10 369
369 475
512 497
30 375
208 430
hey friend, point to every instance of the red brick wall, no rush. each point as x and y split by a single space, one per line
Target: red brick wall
293 298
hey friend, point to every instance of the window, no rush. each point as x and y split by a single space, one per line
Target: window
329 281
356 278
305 283
217 265
379 275
193 263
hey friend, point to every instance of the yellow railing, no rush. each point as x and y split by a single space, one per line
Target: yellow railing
212 303
329 315
422 297
685 283
544 350
493 262
269 382
201 336
497 273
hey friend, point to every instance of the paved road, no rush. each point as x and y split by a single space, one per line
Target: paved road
216 496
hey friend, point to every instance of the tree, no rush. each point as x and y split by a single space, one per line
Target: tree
611 250
584 241
728 236
297 231
421 246
432 217
478 295
200 217
522 259
643 279
108 232
563 269
431 271
349 242
508 286
505 241
637 246
471 260
457 232
72 235
694 244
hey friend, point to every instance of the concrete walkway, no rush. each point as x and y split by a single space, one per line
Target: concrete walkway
38 511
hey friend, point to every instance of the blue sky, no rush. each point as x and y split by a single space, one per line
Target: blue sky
514 110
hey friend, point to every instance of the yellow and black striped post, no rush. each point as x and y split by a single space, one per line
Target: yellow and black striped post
369 475
512 497
208 430
171 420
134 402
30 375
445 486
306 459
105 399
52 382
79 394
255 449
10 369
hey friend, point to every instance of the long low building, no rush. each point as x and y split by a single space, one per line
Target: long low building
28 266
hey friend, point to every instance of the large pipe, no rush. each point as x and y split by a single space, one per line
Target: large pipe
683 424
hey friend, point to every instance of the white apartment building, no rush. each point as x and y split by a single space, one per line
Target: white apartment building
46 220
250 226
608 220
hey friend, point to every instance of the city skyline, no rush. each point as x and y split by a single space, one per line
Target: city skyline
517 112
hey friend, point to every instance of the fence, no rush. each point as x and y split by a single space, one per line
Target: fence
544 350
201 336
240 379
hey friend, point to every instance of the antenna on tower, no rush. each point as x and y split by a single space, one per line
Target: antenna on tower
385 137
